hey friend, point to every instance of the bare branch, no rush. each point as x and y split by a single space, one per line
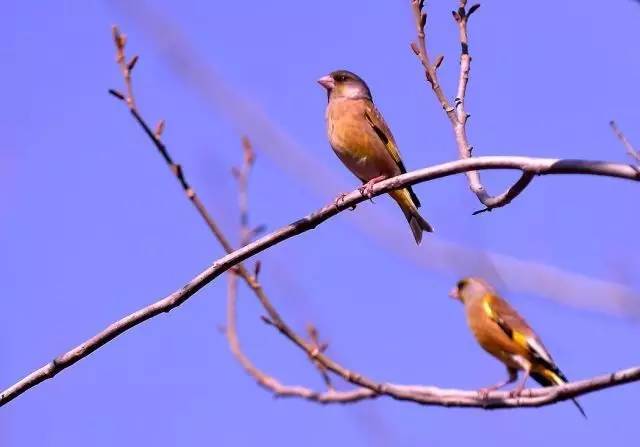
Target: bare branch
457 114
270 383
319 347
246 235
540 166
633 153
419 48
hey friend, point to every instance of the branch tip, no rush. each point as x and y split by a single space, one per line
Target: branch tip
159 129
132 63
117 94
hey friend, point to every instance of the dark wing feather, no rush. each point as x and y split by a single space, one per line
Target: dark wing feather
379 126
516 328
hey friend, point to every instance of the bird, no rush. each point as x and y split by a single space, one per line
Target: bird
363 142
503 333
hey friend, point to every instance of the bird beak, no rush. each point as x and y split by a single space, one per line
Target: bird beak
327 82
453 293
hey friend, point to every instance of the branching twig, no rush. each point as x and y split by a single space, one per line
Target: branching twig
632 151
247 233
321 347
542 166
457 114
272 384
268 382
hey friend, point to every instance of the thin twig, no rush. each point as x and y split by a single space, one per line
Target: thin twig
457 114
241 175
542 166
632 151
247 233
271 383
318 346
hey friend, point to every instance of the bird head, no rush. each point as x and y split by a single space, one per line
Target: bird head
345 84
471 288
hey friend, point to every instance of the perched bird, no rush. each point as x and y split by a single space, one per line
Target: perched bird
363 142
505 335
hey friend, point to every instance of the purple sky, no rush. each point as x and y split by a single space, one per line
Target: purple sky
93 227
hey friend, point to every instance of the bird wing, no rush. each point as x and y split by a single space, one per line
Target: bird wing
545 371
516 328
379 126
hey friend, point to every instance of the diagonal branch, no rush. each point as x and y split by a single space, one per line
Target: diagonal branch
268 382
541 166
247 234
272 384
457 114
633 153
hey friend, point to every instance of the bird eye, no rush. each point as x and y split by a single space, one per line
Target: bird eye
461 284
341 78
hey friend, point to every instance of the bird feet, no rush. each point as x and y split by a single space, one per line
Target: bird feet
338 201
483 393
517 392
367 189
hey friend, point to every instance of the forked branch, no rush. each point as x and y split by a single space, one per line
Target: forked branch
457 114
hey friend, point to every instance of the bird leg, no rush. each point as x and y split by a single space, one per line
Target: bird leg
367 189
513 376
518 390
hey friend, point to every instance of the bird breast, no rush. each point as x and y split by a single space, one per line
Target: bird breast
355 142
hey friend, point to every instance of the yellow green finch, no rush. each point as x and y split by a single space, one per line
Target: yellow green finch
503 333
363 142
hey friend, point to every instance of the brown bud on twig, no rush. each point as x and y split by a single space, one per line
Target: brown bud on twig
423 20
159 129
473 9
117 94
115 32
415 49
256 269
132 62
119 38
249 155
267 320
438 61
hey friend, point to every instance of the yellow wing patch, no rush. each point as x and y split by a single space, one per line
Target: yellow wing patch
518 337
553 377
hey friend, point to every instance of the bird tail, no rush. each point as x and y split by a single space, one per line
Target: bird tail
417 223
550 377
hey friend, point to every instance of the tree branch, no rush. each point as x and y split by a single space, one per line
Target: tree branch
457 114
268 382
272 384
246 234
633 153
540 166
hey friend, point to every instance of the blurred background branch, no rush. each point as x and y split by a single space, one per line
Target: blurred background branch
444 257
